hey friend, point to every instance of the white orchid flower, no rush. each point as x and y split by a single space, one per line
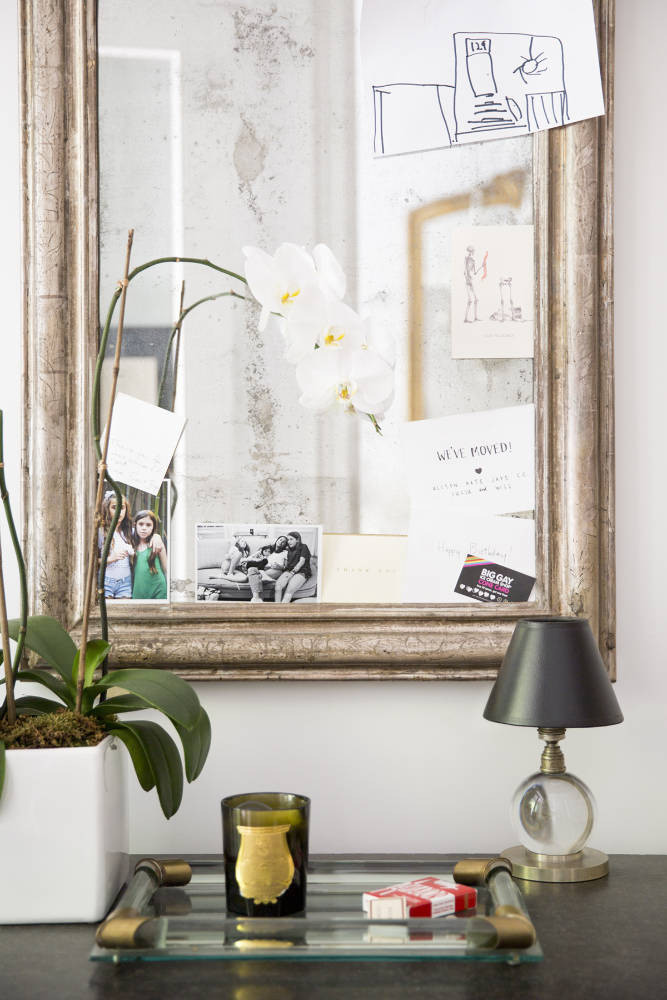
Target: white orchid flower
354 379
339 360
382 342
284 282
336 327
329 271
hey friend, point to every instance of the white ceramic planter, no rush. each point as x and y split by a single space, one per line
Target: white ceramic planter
63 834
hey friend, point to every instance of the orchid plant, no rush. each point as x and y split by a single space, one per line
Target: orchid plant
64 720
339 364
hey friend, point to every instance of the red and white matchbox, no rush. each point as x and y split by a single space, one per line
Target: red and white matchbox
423 897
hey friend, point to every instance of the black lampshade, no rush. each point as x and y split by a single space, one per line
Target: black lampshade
553 676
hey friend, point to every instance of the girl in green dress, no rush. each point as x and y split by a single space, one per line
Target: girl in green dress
150 567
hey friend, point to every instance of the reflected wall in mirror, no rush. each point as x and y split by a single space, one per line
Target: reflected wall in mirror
245 126
248 126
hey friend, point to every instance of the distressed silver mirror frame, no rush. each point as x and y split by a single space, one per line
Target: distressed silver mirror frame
573 391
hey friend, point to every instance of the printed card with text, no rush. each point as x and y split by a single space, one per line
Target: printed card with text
483 580
363 569
475 462
439 543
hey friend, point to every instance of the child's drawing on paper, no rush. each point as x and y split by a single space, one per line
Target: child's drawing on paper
507 83
492 292
435 85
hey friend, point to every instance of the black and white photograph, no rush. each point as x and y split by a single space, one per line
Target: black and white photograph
137 566
259 563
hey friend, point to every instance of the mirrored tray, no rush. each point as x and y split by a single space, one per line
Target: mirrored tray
192 922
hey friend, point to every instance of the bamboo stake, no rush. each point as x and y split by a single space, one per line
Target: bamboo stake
101 474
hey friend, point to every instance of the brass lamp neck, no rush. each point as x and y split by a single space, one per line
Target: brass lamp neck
552 760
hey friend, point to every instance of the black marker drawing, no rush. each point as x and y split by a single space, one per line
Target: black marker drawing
504 84
534 64
397 106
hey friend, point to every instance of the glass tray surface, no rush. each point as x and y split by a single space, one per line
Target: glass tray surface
192 922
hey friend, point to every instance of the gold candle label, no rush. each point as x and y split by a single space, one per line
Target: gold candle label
264 867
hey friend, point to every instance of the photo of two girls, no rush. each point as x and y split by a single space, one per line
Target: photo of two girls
137 564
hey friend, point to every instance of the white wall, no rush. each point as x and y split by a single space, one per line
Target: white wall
400 767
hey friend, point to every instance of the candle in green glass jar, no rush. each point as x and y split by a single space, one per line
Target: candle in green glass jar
265 843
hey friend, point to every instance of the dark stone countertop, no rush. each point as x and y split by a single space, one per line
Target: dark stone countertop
603 939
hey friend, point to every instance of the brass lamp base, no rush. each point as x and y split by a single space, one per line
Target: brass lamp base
584 866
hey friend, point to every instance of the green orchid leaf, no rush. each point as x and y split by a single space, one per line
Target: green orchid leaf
61 690
96 652
137 754
158 689
46 637
2 766
196 745
118 705
163 759
32 705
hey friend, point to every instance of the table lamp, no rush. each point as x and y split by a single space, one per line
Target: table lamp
553 677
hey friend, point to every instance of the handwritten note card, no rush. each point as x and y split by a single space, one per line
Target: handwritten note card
438 544
481 462
142 442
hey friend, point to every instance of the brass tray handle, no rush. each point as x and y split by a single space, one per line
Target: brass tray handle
173 872
513 927
125 927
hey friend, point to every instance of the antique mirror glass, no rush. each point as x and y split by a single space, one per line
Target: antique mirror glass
237 126
207 127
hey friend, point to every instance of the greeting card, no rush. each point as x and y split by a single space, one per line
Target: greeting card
474 462
439 542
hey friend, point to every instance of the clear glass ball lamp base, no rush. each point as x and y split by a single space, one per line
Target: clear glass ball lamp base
553 814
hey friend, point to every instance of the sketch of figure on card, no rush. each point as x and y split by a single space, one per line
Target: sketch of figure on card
508 312
470 272
504 84
493 293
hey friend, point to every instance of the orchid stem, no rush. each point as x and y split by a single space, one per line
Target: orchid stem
20 561
9 706
95 403
175 334
6 649
107 326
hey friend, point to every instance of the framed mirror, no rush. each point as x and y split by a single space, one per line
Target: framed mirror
245 127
